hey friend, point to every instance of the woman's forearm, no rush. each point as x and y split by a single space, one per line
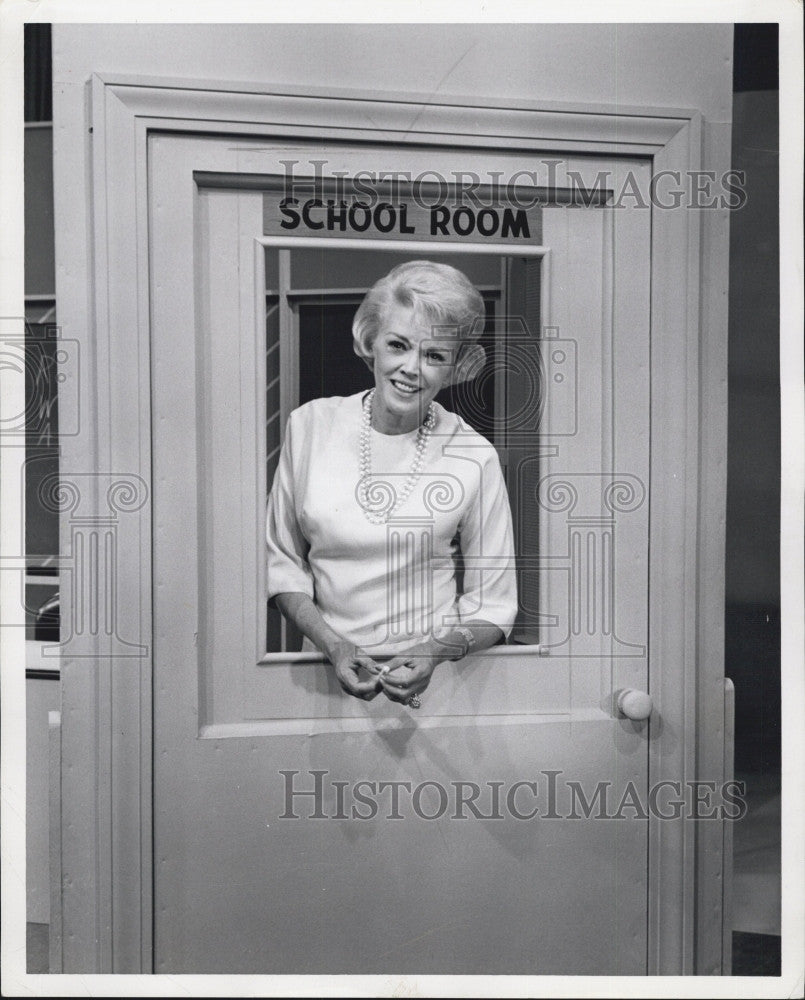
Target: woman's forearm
300 610
452 643
458 641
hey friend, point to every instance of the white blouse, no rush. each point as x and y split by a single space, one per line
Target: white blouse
392 584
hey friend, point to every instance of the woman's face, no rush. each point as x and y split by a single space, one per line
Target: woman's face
411 365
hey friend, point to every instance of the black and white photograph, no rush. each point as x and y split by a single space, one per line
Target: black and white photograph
402 495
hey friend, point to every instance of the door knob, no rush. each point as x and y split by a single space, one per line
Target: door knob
635 705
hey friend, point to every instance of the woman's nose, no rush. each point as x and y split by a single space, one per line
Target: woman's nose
411 363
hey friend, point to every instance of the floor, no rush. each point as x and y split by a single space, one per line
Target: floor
756 857
756 874
37 943
755 954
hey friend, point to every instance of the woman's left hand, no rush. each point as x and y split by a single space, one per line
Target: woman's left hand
409 673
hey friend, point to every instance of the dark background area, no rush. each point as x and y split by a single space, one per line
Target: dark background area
752 612
752 606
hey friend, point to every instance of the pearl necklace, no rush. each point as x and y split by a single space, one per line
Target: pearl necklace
379 500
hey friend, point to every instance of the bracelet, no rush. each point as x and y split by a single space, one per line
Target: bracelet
467 636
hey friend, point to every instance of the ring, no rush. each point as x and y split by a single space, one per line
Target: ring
414 701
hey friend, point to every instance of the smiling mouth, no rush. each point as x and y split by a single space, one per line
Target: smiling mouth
409 390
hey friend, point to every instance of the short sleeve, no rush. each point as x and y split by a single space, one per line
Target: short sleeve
287 566
487 550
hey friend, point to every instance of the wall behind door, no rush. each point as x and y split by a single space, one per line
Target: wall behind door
676 65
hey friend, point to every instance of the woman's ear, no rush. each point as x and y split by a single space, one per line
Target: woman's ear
471 360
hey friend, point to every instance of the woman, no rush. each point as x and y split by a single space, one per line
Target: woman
388 526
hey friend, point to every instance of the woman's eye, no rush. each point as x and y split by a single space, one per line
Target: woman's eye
436 357
396 345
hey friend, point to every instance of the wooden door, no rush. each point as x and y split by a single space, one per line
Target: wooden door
545 869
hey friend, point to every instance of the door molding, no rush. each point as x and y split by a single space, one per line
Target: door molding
107 701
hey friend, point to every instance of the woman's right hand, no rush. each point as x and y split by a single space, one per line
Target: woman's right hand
348 661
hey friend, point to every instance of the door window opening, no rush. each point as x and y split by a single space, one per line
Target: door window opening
309 312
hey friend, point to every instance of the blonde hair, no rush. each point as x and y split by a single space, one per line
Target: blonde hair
439 293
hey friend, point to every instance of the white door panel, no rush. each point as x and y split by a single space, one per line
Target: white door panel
237 887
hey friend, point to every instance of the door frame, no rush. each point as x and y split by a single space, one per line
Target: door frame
106 852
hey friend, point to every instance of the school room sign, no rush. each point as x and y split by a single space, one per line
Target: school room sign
345 208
